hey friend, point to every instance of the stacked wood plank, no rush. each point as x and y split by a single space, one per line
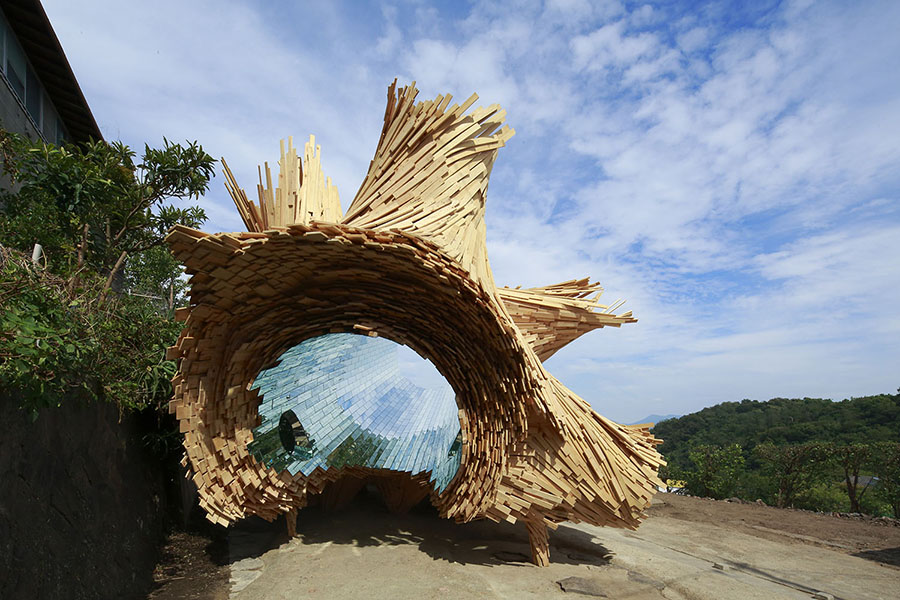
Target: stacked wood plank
301 196
408 261
552 316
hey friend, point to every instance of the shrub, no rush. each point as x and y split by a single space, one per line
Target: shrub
56 340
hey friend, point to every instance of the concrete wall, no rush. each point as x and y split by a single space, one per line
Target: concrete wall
82 503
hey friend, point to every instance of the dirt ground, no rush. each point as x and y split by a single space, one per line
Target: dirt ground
688 548
194 566
873 539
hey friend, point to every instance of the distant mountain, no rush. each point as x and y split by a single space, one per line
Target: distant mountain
654 419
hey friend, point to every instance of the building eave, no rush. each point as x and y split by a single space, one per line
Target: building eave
31 26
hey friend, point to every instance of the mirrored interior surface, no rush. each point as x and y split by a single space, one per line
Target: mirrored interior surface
343 400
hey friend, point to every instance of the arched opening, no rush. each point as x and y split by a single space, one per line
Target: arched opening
305 283
343 400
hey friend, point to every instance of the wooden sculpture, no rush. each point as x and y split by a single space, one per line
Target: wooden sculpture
408 262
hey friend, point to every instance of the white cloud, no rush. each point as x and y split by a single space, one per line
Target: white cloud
388 43
607 46
693 39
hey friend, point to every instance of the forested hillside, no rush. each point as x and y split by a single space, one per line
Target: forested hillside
781 421
809 453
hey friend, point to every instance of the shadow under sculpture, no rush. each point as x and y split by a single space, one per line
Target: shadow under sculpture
407 262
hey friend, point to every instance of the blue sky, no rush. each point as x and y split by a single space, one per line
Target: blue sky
733 172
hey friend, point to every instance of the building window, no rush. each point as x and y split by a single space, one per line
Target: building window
15 66
26 85
33 95
49 120
60 133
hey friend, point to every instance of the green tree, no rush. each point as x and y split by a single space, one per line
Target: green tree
794 468
851 459
101 216
887 469
717 470
92 206
156 275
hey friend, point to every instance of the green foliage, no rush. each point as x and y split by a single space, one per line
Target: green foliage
756 485
872 504
781 422
851 459
824 496
56 342
44 346
793 469
716 470
101 216
155 275
91 206
806 453
886 466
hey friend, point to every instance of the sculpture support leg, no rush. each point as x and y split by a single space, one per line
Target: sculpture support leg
290 518
540 541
